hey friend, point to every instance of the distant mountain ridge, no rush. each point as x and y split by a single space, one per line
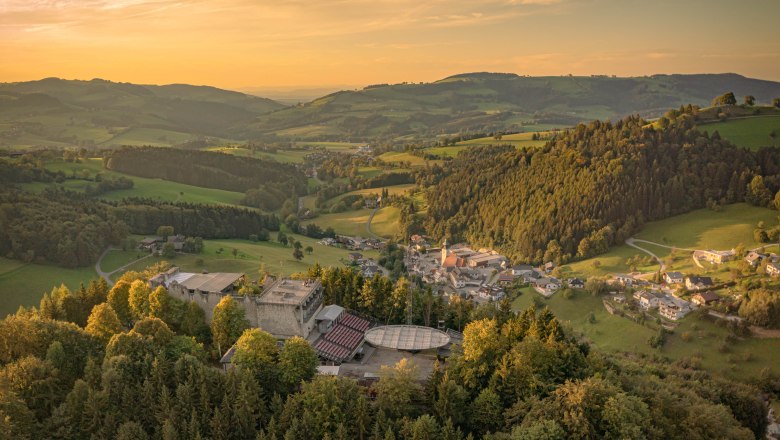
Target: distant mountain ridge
62 112
485 102
54 110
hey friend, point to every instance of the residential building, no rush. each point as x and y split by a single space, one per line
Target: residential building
773 269
576 283
547 286
624 280
674 278
671 309
716 257
698 283
704 298
754 258
647 300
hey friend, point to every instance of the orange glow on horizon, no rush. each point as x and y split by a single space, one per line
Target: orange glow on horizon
296 43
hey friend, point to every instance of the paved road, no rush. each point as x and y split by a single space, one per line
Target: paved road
100 271
631 242
107 275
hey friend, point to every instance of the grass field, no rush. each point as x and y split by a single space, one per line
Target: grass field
742 359
707 229
346 223
699 229
517 139
392 190
385 221
274 257
752 132
151 188
402 156
24 284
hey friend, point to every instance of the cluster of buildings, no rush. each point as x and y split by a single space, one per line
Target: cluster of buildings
668 306
772 262
367 266
155 243
354 243
462 270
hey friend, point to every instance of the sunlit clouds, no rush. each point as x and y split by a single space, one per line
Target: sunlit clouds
245 43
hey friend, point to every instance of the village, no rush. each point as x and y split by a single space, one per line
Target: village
484 275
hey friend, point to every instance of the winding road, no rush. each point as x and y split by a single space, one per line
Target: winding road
631 242
107 275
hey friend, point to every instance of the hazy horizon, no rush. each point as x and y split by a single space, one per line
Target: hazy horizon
294 44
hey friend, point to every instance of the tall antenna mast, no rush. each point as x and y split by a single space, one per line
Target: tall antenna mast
409 305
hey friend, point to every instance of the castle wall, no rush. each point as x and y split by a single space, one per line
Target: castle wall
282 321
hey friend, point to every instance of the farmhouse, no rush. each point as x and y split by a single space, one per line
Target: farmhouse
698 283
704 298
149 243
674 278
547 286
773 269
717 257
576 283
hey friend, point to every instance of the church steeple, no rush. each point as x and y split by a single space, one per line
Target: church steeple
443 251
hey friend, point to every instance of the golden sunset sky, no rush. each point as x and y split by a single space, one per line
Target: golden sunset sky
296 43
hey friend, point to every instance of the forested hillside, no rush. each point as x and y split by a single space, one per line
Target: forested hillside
592 186
56 227
489 102
274 181
84 362
54 111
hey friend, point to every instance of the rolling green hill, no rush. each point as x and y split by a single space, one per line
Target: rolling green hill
56 112
487 102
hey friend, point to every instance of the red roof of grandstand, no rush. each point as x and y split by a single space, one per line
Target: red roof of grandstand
343 339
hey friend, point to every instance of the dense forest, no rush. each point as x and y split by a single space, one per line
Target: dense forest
84 362
144 216
592 186
57 227
72 229
267 183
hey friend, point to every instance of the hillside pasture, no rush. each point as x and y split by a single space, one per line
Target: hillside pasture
23 284
748 132
217 256
142 187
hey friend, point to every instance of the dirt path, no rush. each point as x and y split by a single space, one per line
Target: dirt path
368 224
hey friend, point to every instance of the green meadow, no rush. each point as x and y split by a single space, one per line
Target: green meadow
142 187
750 132
695 338
23 284
250 257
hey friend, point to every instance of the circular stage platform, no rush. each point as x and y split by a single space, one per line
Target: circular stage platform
407 337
